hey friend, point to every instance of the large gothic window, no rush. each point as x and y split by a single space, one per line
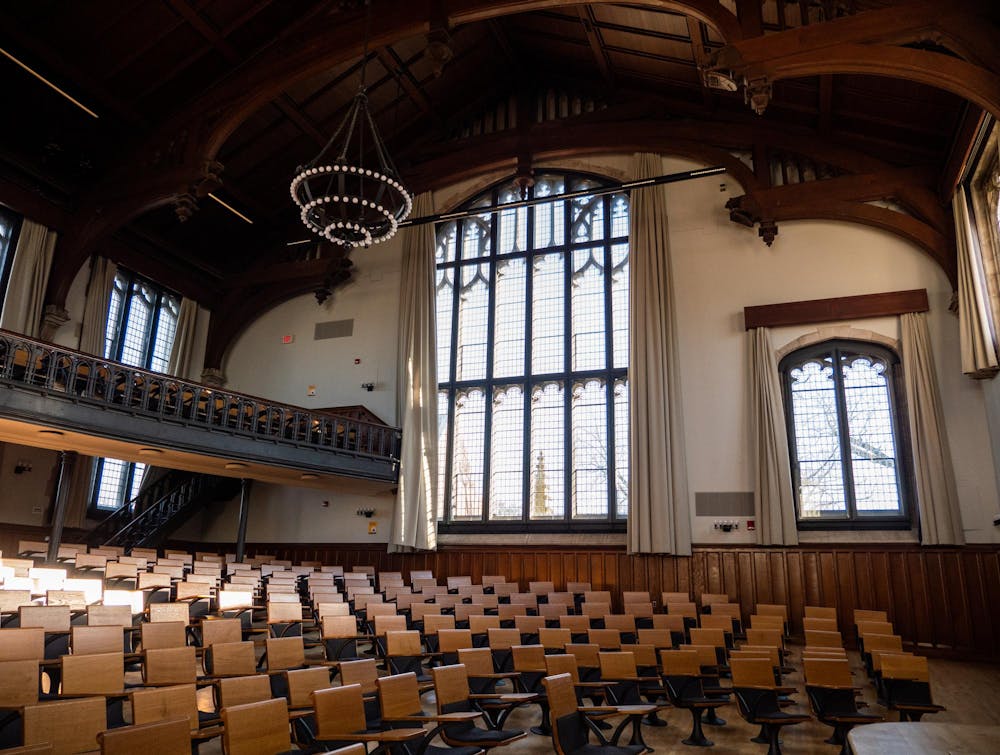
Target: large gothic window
532 312
845 435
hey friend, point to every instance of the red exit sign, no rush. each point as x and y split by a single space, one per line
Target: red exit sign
288 339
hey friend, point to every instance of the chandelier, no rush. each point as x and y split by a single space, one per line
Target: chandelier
342 199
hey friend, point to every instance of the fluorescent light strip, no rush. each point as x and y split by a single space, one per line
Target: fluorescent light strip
232 209
48 83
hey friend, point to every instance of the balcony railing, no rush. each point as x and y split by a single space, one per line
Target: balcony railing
86 379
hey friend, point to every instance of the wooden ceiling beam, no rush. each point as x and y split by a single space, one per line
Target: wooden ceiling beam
586 15
391 62
825 104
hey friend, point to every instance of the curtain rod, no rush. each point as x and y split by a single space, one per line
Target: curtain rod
642 183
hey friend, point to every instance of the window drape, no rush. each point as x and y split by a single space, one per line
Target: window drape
659 515
775 505
937 496
414 523
29 276
95 311
985 192
976 334
182 353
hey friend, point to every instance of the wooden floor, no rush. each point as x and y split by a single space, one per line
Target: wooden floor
970 691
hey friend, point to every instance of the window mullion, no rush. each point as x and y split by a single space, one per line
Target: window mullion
489 386
529 265
119 342
609 363
567 382
845 436
456 285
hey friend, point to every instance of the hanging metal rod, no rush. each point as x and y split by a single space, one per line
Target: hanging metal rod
669 178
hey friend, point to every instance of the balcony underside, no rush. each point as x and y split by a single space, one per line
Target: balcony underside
33 417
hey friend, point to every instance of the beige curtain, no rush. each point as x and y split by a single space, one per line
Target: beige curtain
985 191
29 276
95 312
183 356
414 524
659 514
769 446
937 496
975 326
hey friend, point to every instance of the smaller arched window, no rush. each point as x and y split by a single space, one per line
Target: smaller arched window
849 452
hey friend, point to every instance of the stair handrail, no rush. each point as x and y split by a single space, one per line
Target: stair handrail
157 489
196 481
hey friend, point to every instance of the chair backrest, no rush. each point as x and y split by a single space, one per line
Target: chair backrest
389 622
586 654
169 666
283 612
529 624
233 659
574 623
151 705
230 600
86 640
340 711
480 624
730 610
862 614
606 639
827 672
666 598
70 726
541 588
821 612
502 638
658 638
635 596
12 600
561 696
708 636
554 638
285 653
752 672
163 634
405 643
451 685
49 618
99 674
562 663
680 662
717 621
773 609
452 640
169 737
686 608
578 588
149 580
769 653
823 639
399 695
528 657
339 627
332 609
866 628
477 661
616 665
22 644
303 682
770 637
239 690
620 622
767 621
112 616
819 624
172 612
186 591
711 598
639 609
595 609
707 655
255 728
434 623
363 672
886 642
75 599
220 630
18 683
912 667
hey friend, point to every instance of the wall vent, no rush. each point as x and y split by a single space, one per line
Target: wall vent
737 504
333 329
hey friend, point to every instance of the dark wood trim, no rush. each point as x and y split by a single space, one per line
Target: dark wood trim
836 309
940 599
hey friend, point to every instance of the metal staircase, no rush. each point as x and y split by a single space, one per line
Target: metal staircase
149 518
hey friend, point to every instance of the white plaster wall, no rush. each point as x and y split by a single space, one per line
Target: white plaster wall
68 334
719 268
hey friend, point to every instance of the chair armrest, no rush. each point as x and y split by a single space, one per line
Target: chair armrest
465 715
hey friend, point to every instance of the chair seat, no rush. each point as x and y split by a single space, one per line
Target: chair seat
781 718
595 749
474 734
435 750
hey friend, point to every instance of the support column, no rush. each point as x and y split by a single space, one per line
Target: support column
66 461
241 531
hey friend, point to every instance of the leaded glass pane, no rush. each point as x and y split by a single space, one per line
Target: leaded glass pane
512 224
445 307
135 340
476 237
507 453
873 445
547 314
587 219
473 317
510 304
619 304
166 328
619 216
446 242
443 414
469 454
111 484
817 440
114 314
550 218
621 448
587 306
590 449
547 481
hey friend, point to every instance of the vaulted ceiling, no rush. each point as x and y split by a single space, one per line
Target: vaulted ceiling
229 96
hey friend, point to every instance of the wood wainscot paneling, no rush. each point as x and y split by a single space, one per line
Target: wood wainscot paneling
12 534
943 601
